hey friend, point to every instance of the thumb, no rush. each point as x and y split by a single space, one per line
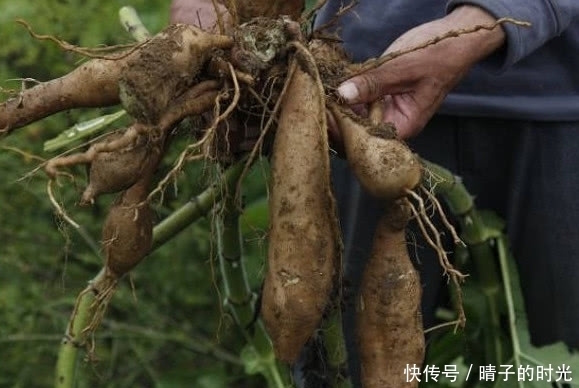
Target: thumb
369 86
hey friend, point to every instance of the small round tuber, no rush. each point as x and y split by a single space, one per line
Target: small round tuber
384 165
127 232
113 171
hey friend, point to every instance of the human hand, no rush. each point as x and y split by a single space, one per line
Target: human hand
414 85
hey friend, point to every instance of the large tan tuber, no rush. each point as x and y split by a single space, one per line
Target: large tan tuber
92 84
127 233
389 322
304 249
128 230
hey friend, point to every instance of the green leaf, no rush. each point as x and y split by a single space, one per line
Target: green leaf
255 216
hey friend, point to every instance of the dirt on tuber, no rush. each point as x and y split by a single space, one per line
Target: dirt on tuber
384 165
92 84
111 172
128 230
235 82
388 318
304 250
164 68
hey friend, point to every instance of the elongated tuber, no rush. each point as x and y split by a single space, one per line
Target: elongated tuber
304 246
389 323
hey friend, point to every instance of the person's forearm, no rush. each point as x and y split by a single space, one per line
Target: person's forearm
475 46
547 18
416 83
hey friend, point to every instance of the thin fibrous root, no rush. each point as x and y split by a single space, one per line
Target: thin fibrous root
59 209
335 19
69 333
257 148
103 288
193 102
432 198
308 16
221 68
308 61
104 292
442 325
373 63
191 152
432 237
87 52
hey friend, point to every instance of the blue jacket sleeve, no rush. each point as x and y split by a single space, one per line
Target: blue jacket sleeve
548 18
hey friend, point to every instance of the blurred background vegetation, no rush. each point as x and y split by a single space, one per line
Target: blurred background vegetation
170 330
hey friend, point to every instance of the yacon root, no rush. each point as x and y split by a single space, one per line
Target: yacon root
384 165
389 321
303 255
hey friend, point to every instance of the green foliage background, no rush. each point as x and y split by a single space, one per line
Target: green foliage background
170 331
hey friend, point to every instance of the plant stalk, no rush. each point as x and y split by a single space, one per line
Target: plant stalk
239 299
163 232
479 234
75 338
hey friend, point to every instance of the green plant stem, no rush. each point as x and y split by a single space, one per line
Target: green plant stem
479 236
239 299
196 208
335 346
133 24
474 231
504 256
74 338
82 130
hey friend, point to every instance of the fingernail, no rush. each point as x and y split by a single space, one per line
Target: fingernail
348 91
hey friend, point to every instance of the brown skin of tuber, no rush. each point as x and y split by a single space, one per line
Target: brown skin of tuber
164 68
111 172
388 318
304 249
145 80
384 165
127 234
93 84
128 231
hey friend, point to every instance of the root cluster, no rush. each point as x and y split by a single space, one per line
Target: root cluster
263 80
